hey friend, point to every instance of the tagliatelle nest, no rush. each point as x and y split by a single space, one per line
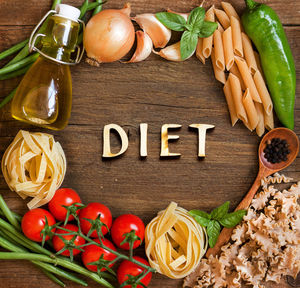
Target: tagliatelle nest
264 247
34 165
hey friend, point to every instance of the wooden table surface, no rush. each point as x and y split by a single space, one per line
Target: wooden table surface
154 92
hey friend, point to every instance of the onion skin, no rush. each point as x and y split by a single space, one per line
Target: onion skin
108 36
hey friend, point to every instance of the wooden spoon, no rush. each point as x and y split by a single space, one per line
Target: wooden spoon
265 169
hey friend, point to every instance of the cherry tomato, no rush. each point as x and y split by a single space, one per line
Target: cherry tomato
125 224
91 211
92 253
63 197
129 268
33 222
58 244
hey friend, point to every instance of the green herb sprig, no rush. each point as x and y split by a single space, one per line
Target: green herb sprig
217 218
193 28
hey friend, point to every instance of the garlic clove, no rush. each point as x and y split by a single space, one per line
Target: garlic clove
126 9
143 47
172 52
184 15
159 34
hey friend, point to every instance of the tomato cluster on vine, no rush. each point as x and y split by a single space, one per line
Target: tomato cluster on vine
85 236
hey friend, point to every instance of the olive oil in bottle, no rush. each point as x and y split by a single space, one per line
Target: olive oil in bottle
44 96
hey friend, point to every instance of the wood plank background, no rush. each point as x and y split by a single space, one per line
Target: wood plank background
154 92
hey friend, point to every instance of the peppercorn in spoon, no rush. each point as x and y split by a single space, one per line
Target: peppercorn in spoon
277 150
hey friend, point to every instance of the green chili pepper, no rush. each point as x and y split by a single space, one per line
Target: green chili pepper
264 28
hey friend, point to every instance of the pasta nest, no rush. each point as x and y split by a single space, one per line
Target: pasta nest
175 242
34 165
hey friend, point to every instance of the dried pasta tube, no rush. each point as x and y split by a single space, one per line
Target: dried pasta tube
220 28
249 53
235 70
199 50
247 77
236 37
257 60
207 42
237 96
269 120
250 110
219 51
228 48
263 92
219 74
229 10
223 18
230 103
260 128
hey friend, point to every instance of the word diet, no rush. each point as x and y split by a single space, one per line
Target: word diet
165 137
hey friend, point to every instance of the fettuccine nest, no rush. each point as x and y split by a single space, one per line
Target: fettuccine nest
34 165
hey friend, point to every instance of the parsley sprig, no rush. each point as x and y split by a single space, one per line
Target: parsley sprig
194 27
217 218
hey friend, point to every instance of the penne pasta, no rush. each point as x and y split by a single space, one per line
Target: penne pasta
269 120
199 50
263 92
260 128
249 53
219 51
236 36
223 18
228 48
229 10
247 77
235 70
258 64
250 110
237 97
220 28
207 42
230 103
219 74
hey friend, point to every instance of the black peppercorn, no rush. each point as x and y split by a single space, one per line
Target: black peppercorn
276 150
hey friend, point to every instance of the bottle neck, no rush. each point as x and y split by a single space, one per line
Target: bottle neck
58 53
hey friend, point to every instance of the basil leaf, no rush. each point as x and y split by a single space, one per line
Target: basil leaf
219 212
200 213
171 20
213 231
207 29
188 44
232 219
201 220
196 18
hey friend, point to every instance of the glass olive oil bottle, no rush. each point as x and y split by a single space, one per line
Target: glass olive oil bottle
44 96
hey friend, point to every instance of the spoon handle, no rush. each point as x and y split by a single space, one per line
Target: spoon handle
244 204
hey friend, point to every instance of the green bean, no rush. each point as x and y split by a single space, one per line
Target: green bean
98 8
17 216
8 98
94 5
16 73
10 217
5 242
53 278
21 55
83 8
55 2
13 49
22 63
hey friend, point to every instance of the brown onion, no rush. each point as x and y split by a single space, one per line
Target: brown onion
109 35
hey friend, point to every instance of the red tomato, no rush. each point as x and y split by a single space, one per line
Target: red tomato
91 211
93 252
129 268
58 244
63 197
33 222
124 224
